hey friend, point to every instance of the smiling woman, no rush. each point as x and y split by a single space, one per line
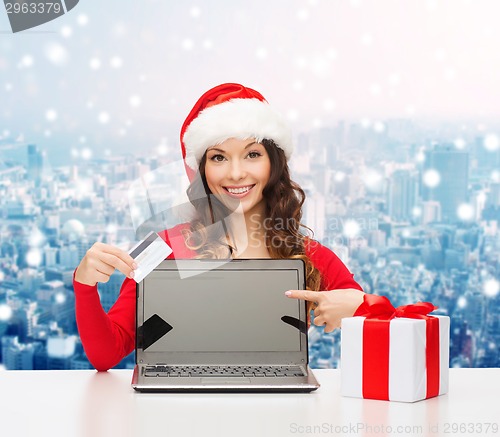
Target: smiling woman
239 169
235 149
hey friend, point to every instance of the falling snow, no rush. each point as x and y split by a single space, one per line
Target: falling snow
95 64
432 178
56 54
66 31
491 287
103 117
465 212
351 228
51 115
116 62
491 142
5 312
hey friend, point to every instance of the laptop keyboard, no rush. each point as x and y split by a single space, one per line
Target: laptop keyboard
226 371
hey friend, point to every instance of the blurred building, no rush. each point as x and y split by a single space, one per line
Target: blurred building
452 166
402 194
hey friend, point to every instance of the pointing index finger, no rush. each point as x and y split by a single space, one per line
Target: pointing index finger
312 296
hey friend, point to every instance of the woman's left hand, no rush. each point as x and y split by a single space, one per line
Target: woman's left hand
330 306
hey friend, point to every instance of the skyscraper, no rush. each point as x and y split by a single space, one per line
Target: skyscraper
402 194
35 163
452 166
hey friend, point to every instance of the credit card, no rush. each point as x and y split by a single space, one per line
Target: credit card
148 254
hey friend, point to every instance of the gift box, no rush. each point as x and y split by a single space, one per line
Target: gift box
396 354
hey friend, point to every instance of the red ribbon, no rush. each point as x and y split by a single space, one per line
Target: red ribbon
379 311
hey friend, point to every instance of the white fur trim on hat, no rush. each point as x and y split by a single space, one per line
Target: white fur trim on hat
236 118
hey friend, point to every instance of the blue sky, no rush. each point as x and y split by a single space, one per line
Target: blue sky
129 71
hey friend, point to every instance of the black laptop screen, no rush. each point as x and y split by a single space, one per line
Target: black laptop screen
221 311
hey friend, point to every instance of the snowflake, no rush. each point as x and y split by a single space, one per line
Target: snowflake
491 142
465 212
461 302
86 153
195 12
26 61
459 143
366 122
261 53
432 178
416 211
51 115
56 53
116 62
367 39
394 79
302 14
37 238
339 176
351 228
60 298
328 105
162 149
103 117
83 20
135 101
34 257
379 127
66 31
371 178
187 44
292 114
491 287
5 312
95 64
112 228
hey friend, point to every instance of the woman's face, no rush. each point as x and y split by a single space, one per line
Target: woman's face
236 172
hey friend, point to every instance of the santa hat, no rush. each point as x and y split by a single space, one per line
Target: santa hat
228 111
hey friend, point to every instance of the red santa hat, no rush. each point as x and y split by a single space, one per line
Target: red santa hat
228 111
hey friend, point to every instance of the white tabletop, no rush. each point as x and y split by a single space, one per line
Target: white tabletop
87 403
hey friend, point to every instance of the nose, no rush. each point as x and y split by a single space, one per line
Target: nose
237 170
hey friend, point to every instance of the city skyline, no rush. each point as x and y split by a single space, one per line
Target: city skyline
394 111
379 215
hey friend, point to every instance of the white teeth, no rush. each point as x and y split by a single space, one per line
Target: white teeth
238 190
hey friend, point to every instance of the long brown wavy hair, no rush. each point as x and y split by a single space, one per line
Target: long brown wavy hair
283 199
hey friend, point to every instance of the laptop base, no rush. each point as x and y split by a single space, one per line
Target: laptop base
304 384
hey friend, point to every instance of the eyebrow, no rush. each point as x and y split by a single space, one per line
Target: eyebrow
223 151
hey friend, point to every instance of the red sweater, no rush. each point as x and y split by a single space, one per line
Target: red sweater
108 338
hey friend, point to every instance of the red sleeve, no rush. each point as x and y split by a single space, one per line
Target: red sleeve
108 338
334 274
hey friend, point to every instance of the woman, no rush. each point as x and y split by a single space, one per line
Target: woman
235 149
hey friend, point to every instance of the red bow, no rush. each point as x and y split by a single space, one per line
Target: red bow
379 307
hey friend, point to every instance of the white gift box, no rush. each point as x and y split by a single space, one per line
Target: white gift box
407 372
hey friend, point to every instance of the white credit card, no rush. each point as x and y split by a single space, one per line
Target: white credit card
148 254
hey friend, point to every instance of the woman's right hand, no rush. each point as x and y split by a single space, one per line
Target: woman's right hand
100 262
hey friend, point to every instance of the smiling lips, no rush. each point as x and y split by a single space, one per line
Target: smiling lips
239 191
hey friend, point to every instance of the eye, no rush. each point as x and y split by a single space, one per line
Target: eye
217 158
254 155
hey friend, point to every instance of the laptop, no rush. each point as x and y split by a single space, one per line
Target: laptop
218 326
